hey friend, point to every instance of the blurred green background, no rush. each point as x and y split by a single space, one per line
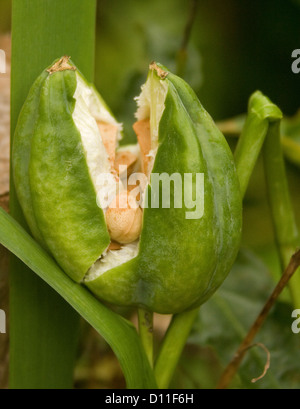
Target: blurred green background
235 48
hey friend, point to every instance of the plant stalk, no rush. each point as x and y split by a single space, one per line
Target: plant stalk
249 148
282 212
234 365
173 346
43 327
146 332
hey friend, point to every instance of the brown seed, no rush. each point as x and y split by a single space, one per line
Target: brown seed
124 219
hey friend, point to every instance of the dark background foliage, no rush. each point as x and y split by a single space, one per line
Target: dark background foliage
236 47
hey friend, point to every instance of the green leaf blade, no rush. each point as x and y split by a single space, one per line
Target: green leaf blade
43 328
118 332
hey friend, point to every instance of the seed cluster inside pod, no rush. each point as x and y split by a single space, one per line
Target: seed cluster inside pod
131 167
124 216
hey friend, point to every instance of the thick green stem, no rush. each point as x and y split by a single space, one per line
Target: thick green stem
284 222
261 112
173 346
249 148
262 128
43 328
146 332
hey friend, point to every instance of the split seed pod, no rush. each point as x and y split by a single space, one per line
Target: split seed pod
58 159
183 253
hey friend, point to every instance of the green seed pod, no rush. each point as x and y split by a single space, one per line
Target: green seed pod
57 157
181 252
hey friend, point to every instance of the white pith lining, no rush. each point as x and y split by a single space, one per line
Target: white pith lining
86 122
151 104
89 109
112 259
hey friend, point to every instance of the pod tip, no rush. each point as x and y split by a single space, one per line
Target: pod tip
62 65
160 72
